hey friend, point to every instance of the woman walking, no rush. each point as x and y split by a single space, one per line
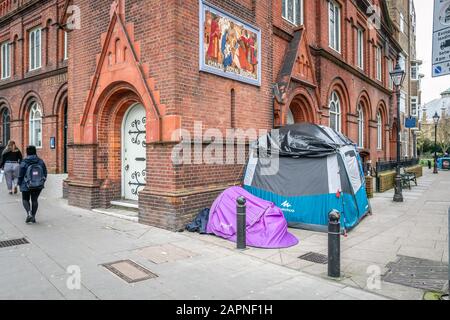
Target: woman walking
11 158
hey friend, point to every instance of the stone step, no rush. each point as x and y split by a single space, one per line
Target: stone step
125 205
119 213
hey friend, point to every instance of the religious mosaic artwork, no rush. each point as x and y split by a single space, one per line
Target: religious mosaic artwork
229 47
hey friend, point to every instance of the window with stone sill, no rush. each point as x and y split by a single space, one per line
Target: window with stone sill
5 60
292 11
35 125
35 45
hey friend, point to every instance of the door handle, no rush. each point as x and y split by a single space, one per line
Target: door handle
140 159
127 167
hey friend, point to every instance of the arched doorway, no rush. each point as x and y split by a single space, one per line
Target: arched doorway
5 126
133 152
65 138
299 110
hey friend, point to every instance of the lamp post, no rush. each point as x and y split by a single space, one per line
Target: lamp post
398 76
436 122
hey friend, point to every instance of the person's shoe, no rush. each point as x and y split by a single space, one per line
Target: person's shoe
29 218
10 192
33 219
15 190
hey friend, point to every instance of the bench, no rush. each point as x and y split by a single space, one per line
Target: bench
407 177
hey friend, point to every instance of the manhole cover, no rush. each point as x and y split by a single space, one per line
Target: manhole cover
315 257
13 243
417 273
129 271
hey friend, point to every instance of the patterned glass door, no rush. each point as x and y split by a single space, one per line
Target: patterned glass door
133 152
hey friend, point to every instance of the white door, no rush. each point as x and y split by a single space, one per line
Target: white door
133 152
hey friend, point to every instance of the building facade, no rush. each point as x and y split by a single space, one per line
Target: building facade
33 82
146 78
403 15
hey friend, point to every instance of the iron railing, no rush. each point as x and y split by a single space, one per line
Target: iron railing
387 165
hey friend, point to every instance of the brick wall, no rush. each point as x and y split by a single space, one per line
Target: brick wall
46 86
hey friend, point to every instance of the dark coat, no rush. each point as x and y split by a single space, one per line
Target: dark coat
28 161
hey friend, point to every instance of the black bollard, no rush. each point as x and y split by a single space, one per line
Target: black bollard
334 244
241 242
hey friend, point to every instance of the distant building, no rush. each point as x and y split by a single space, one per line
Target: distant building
441 106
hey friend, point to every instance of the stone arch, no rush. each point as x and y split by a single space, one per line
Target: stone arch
302 105
60 108
363 102
338 85
5 107
382 110
24 114
112 107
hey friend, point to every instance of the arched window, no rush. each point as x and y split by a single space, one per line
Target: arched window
36 125
335 112
360 126
5 127
379 131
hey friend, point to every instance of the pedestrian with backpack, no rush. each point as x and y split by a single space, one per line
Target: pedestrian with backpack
32 177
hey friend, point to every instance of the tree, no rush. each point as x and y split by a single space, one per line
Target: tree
443 134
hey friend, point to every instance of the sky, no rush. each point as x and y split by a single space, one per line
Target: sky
431 87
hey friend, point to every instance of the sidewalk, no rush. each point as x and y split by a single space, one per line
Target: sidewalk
187 266
418 228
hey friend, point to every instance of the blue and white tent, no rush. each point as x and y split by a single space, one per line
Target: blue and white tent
307 170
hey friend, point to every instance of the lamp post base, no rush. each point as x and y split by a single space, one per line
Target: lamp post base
398 196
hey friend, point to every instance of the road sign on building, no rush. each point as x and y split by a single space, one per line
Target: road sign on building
441 38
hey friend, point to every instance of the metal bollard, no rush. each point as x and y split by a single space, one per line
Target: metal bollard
241 242
334 244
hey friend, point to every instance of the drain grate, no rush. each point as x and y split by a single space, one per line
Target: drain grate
13 243
129 271
417 273
315 257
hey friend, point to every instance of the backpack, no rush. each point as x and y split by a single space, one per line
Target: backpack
34 177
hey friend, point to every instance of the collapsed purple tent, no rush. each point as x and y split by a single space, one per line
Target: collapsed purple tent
266 225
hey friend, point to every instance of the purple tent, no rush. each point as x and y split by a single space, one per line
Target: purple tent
266 225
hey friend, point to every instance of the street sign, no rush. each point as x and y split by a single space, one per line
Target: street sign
410 122
441 38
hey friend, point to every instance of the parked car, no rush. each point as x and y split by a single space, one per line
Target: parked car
445 44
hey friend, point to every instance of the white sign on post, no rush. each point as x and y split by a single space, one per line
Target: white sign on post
441 38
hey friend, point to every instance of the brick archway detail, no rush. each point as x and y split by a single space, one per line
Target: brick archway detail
118 63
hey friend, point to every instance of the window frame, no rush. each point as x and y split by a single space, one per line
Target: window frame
379 63
379 131
360 48
5 46
66 46
285 12
35 49
415 73
402 22
361 126
414 100
35 109
334 43
337 113
390 69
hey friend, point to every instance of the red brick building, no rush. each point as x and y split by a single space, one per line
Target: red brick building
33 82
140 70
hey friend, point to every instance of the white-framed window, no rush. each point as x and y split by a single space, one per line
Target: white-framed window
390 69
402 62
402 101
35 45
292 11
360 112
379 131
414 71
334 25
402 23
379 63
335 112
360 48
35 125
414 106
66 46
6 60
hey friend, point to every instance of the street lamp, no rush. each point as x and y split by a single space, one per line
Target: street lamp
436 122
398 76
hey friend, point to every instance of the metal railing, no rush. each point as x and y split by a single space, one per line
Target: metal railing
387 165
